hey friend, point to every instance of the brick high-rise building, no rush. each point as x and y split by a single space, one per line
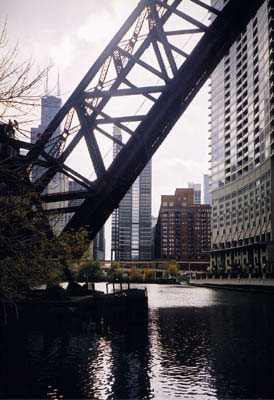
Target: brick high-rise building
183 228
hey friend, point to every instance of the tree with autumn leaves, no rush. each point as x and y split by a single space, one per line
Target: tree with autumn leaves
31 255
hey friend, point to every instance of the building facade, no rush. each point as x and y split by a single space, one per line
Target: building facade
197 191
50 105
97 247
131 233
153 233
242 141
183 228
206 193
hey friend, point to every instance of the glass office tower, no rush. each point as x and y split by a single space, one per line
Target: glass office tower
50 105
242 140
131 222
207 189
197 191
97 247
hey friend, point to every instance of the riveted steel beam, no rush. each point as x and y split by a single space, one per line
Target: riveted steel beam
114 77
165 112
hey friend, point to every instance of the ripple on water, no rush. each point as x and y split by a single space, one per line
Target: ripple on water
198 344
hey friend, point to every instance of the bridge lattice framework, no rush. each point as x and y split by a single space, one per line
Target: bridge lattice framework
146 48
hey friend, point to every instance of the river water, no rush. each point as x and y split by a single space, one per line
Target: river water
198 343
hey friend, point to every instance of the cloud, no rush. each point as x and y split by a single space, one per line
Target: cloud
189 164
72 34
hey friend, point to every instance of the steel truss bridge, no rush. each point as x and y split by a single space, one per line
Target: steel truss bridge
148 63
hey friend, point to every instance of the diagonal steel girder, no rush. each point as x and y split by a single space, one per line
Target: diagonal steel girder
176 93
79 95
158 123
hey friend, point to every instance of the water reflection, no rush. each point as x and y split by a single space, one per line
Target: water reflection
181 357
162 296
120 368
198 343
66 361
222 350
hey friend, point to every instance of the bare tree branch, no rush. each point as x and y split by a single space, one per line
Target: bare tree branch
20 87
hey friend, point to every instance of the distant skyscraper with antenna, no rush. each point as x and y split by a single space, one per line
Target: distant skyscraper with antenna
50 105
58 85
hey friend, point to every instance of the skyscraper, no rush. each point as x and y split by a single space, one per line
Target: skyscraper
50 105
131 221
207 195
97 247
242 133
197 191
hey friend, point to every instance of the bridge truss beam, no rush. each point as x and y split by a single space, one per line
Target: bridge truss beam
148 48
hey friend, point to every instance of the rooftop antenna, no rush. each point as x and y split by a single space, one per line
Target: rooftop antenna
47 85
58 85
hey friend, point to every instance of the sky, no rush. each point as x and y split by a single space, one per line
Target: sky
72 34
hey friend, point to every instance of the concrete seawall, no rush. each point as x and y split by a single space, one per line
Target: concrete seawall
248 284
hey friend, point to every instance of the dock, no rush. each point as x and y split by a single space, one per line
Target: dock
121 307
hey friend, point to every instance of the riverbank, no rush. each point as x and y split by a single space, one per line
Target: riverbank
123 306
236 283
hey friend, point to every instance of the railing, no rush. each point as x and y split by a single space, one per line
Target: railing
242 275
114 287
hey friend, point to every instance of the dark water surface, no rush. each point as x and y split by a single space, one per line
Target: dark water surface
198 344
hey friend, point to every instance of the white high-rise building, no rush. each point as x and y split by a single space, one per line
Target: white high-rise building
242 138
